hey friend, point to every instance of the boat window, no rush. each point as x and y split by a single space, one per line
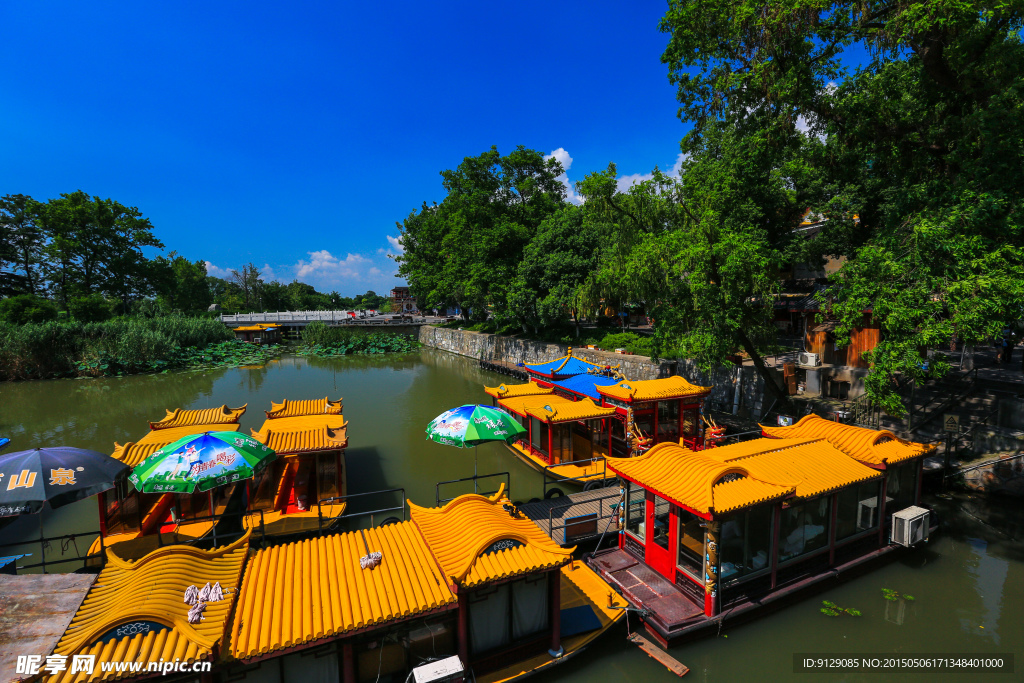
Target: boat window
636 510
327 474
598 437
668 420
662 513
530 609
691 544
489 623
121 508
540 436
266 486
857 509
745 543
901 487
645 421
192 506
690 423
804 528
222 495
618 443
561 443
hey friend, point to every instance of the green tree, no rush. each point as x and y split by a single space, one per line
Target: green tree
27 308
183 285
250 285
922 151
21 241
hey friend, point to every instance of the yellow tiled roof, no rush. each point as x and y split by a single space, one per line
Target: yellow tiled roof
289 441
308 590
521 404
568 411
153 589
187 418
289 408
652 389
694 480
132 453
172 434
514 390
875 448
814 465
249 328
460 534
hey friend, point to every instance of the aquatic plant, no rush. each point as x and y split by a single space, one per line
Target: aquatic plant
831 609
321 340
891 595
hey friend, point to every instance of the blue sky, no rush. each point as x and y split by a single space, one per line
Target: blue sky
295 136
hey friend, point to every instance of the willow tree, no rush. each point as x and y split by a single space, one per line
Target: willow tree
921 155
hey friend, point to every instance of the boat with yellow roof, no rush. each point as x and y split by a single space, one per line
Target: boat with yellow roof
473 586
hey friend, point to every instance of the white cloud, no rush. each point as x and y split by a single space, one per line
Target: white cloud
352 274
624 182
268 274
563 158
213 270
396 245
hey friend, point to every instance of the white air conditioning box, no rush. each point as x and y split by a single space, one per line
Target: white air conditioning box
909 526
811 359
442 670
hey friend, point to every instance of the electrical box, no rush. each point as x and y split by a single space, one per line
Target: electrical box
437 672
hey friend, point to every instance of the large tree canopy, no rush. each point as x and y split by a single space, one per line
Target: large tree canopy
921 154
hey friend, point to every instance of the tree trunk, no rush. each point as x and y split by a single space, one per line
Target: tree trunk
778 393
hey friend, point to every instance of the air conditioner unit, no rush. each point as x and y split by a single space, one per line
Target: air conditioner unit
812 359
867 513
909 526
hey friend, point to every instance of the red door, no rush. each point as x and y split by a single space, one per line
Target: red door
660 528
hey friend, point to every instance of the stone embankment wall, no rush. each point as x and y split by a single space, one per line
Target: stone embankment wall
736 390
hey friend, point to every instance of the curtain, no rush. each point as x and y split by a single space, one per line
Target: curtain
529 607
265 672
489 620
308 668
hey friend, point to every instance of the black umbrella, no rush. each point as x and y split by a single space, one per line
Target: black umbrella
60 476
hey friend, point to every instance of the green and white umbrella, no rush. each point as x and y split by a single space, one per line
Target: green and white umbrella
200 462
471 425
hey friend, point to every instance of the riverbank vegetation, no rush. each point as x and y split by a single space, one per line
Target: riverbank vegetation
119 347
320 340
884 139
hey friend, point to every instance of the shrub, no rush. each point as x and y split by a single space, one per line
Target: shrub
89 309
634 343
27 308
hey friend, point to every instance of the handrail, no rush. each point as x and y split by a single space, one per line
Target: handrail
475 478
347 515
959 388
592 477
66 539
213 519
562 508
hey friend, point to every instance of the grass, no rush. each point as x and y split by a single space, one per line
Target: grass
320 340
121 346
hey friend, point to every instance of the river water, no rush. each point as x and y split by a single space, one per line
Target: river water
968 581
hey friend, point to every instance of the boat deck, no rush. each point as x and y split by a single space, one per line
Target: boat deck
669 608
569 475
575 517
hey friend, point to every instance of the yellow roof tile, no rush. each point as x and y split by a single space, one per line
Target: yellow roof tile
558 411
302 441
652 389
461 533
132 453
152 589
308 590
814 465
249 328
187 418
520 404
289 408
172 434
512 390
696 481
875 448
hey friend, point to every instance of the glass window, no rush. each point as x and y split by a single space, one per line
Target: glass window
540 436
598 437
745 543
644 421
662 515
691 544
668 420
327 474
561 443
857 509
636 507
804 528
690 423
266 488
619 447
902 487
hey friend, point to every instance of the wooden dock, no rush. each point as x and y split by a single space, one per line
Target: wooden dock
577 516
505 367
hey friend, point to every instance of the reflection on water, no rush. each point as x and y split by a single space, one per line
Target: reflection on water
967 582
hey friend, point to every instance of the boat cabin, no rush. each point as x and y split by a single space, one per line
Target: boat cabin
126 514
261 333
726 528
300 490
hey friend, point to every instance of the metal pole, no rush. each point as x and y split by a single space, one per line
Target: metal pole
42 542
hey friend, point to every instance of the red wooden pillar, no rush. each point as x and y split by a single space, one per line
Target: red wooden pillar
682 412
555 603
776 549
881 509
832 530
529 434
348 664
551 444
103 513
464 628
655 434
920 475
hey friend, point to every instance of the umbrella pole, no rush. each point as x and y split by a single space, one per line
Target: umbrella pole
475 489
42 541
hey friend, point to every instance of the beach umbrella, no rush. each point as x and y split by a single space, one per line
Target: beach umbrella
471 425
200 462
59 476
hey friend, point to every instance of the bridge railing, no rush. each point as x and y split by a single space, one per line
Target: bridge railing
296 316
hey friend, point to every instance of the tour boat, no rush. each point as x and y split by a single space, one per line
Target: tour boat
728 531
577 413
473 586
